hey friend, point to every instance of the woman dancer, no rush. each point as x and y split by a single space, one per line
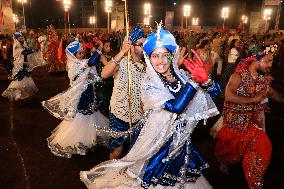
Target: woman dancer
22 85
76 106
163 155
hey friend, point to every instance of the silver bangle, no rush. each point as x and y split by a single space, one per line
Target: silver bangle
100 52
207 83
114 61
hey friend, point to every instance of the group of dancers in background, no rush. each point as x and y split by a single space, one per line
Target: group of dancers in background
167 103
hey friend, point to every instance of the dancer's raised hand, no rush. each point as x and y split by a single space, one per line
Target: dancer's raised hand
197 68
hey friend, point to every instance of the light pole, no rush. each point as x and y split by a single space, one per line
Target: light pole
92 20
108 5
186 13
23 1
147 13
67 5
267 16
195 21
225 15
244 21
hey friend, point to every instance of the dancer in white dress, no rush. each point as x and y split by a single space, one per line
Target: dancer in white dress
163 155
42 39
76 106
25 59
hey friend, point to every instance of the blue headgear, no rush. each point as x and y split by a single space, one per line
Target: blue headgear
74 47
136 33
160 38
17 34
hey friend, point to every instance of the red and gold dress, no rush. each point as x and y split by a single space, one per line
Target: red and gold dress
52 62
243 137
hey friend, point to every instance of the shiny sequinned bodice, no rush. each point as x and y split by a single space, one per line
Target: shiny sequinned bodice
119 99
251 86
240 115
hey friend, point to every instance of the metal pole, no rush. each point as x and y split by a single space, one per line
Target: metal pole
223 23
69 22
108 21
65 22
186 22
181 22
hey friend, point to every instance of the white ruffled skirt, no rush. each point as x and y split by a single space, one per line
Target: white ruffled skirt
116 180
77 135
35 60
18 90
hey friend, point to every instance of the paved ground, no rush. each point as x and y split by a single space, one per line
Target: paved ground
26 162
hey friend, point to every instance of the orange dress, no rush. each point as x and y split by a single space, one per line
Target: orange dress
52 62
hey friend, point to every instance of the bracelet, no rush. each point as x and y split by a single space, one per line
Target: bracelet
114 61
207 83
100 52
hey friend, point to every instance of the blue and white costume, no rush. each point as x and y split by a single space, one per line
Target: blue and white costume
76 107
163 156
25 59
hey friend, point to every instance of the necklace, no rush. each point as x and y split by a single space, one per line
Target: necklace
177 88
173 83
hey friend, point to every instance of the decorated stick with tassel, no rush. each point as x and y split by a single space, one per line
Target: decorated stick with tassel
128 66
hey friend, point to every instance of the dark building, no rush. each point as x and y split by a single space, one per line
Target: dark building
208 11
41 13
87 8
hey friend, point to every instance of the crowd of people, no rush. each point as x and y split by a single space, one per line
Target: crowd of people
174 80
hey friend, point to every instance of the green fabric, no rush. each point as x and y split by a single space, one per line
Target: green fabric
103 91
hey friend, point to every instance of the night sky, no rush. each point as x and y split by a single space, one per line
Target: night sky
40 13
